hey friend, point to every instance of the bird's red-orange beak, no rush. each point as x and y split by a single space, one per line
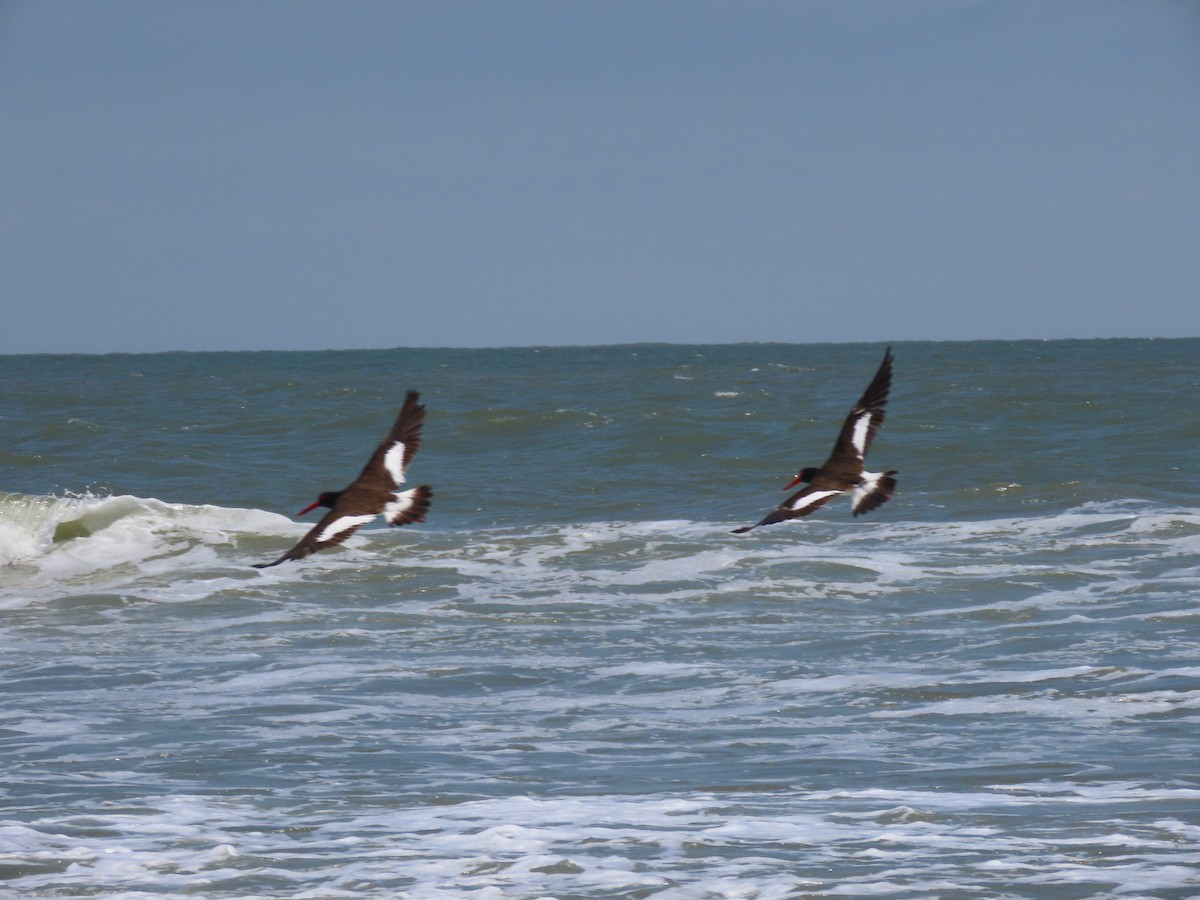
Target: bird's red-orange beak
308 509
787 487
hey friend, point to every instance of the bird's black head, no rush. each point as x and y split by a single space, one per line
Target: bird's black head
806 476
327 499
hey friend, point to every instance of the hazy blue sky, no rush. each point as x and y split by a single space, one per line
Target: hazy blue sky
286 174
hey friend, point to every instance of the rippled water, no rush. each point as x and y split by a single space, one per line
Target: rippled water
573 681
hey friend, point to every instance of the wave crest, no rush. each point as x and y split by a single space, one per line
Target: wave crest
55 545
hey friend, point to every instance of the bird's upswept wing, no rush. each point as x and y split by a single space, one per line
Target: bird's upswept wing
863 423
388 465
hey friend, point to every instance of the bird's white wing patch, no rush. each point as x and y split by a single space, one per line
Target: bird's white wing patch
393 461
806 500
345 523
859 438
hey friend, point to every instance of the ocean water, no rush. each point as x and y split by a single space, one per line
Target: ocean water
573 681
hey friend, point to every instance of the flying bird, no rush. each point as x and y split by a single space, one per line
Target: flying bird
844 471
373 492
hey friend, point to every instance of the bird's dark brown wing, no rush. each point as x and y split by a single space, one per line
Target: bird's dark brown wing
335 526
388 465
863 423
800 504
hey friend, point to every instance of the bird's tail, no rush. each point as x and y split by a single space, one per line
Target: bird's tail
409 506
873 491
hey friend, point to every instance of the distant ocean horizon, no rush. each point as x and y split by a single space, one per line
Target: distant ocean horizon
573 680
400 348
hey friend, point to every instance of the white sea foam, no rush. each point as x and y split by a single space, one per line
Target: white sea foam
602 708
599 846
88 544
143 539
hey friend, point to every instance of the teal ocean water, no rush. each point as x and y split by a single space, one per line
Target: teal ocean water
573 681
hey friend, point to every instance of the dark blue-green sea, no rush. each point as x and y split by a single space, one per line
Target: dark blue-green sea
573 681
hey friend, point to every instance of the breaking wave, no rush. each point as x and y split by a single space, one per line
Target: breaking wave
55 546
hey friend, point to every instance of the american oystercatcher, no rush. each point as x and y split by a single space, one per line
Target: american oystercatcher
843 471
372 492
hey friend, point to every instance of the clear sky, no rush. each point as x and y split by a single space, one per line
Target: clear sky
292 174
